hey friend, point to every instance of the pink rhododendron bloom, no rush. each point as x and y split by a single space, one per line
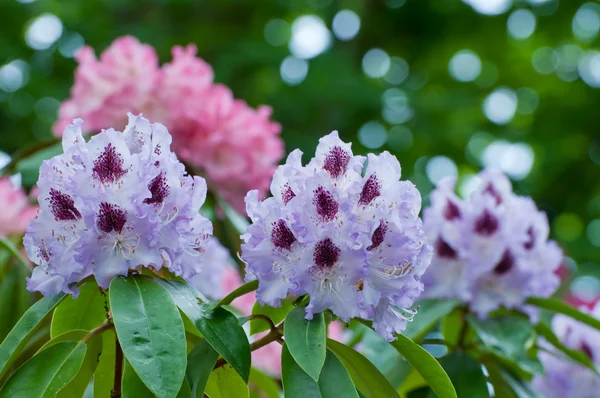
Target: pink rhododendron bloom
235 145
16 210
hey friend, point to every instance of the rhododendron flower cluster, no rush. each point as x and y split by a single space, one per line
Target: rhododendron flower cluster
236 146
16 210
490 250
352 241
115 203
562 377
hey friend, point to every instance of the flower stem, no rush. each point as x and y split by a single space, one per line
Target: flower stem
116 392
100 329
274 335
240 291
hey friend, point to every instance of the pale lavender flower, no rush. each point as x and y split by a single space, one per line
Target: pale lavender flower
562 376
117 202
490 250
348 239
211 279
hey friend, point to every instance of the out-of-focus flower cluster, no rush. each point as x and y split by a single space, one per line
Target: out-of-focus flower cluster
115 203
352 241
490 250
218 278
237 146
16 211
562 376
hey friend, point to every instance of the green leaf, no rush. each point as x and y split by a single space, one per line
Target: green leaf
367 378
508 337
79 384
296 382
13 290
561 307
263 385
225 382
426 365
132 386
220 327
451 326
305 340
13 250
334 380
201 362
575 355
466 375
223 332
85 312
429 313
277 314
150 332
185 391
24 329
45 374
501 388
105 372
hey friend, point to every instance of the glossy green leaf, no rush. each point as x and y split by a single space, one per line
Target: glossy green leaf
466 375
296 382
262 385
85 312
367 378
334 380
185 391
131 385
13 250
105 371
277 314
240 291
305 340
426 365
429 313
452 324
150 332
225 382
47 373
219 327
30 166
201 361
501 387
561 307
81 381
575 355
24 329
13 290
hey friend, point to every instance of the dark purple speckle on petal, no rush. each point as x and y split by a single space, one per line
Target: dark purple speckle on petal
63 206
326 254
108 168
443 249
491 190
287 194
325 203
282 236
486 224
378 236
111 218
370 191
158 188
530 239
451 211
505 264
336 162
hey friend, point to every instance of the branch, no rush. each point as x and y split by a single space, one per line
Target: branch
274 335
240 291
100 329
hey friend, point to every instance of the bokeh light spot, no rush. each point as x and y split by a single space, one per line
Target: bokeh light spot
43 31
490 7
568 226
500 105
277 32
521 24
465 66
293 70
346 25
376 63
439 167
516 160
310 37
372 135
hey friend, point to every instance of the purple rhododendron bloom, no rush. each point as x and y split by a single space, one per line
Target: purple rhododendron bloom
352 241
490 250
217 263
117 202
562 376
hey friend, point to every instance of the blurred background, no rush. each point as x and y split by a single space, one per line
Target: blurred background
448 86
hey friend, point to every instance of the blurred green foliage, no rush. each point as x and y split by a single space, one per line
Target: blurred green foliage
559 123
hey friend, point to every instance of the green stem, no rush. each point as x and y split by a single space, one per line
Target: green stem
274 335
240 291
100 329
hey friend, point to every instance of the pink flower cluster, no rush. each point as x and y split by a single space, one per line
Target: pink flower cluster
235 145
16 210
